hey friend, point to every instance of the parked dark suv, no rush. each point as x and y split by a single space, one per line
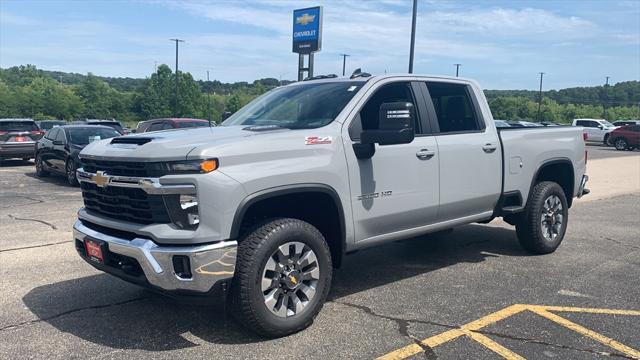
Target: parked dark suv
626 137
169 124
57 152
18 138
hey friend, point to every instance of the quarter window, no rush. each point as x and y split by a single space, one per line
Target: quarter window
454 107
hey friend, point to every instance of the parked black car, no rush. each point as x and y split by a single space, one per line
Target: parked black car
18 138
57 152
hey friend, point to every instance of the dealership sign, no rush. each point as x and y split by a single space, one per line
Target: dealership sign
307 30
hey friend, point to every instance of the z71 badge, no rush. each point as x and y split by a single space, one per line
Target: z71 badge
317 140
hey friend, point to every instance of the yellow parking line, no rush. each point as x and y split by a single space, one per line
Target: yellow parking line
586 332
470 329
493 346
587 310
446 336
431 342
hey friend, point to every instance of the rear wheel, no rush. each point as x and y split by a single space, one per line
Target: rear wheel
621 144
283 275
70 170
40 170
544 221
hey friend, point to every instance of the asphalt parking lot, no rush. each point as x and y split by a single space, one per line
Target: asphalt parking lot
473 293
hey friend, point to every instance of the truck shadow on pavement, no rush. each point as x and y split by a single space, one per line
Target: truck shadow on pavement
107 311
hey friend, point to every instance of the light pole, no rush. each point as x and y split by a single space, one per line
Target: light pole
344 62
413 35
540 96
209 99
457 68
175 103
606 97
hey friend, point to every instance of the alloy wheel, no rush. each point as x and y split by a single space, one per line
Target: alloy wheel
552 218
289 279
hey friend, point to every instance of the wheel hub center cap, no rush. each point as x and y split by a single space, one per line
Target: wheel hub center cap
291 279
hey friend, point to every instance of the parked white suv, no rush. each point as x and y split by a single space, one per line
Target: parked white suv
597 130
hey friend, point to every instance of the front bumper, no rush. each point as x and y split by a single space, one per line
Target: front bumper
210 264
18 149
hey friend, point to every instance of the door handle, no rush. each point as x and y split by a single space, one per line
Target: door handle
489 148
425 154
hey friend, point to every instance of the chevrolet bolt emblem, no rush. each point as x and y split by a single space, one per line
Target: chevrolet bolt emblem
305 19
293 280
101 179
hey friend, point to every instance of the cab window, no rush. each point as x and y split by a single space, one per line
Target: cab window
367 118
454 108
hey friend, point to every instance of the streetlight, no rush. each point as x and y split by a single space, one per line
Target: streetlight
175 103
606 96
413 35
344 62
540 96
457 68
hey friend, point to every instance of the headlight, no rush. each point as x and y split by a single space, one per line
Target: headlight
192 166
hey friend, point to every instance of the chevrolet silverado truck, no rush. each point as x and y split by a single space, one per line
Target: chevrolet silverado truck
267 204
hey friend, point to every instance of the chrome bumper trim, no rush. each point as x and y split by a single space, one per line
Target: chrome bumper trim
209 263
149 185
582 190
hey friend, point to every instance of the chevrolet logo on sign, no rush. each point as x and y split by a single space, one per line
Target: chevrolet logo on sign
305 19
101 179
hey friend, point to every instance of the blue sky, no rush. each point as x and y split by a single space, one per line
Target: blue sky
502 44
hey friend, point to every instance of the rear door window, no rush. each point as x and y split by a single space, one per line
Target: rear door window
454 108
156 126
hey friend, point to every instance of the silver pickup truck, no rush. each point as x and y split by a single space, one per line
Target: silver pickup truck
266 205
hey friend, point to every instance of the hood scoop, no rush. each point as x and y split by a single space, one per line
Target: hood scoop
131 140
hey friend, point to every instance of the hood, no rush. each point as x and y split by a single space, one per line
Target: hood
172 144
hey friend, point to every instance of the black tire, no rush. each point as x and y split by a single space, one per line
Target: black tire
621 144
607 140
254 251
70 172
532 231
40 170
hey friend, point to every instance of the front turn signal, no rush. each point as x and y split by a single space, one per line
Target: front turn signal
209 165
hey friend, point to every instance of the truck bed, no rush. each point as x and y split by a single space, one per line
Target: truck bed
524 150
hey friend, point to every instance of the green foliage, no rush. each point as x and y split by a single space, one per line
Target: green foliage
26 91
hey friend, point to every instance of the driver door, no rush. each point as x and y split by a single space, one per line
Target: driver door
396 191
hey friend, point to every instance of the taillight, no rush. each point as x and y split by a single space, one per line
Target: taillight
37 132
4 132
585 136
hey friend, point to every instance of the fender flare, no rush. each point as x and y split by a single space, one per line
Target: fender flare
248 201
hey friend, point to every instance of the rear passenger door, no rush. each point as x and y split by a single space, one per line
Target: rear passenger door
470 156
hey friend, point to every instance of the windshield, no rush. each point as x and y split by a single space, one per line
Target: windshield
18 126
190 124
606 123
297 107
83 136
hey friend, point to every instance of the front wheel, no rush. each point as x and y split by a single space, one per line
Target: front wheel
544 221
621 144
70 170
607 140
40 170
283 276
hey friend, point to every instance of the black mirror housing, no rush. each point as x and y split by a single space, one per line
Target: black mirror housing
395 125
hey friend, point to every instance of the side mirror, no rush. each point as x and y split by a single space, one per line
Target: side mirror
395 125
600 127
